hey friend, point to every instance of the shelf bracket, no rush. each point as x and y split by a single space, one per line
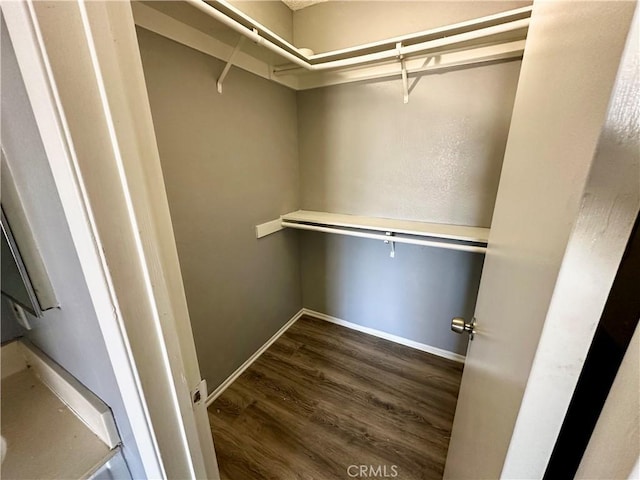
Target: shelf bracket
227 67
405 79
392 254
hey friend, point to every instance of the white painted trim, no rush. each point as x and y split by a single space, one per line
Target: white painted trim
233 377
268 228
387 336
432 232
93 412
36 71
11 359
416 66
409 227
443 31
106 59
448 38
183 431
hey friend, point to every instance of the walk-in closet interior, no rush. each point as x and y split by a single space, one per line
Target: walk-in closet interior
404 150
342 239
260 149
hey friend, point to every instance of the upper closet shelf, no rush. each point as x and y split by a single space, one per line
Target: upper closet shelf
216 27
452 237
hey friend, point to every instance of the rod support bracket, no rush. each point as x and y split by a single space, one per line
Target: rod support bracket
392 254
403 70
227 67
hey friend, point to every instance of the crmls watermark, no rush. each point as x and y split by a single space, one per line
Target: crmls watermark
372 471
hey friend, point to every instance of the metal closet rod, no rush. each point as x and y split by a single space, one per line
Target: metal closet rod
429 46
377 236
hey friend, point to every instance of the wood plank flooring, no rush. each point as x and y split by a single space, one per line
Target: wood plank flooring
324 397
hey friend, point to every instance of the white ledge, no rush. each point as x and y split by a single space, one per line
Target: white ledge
92 411
406 227
45 415
438 235
497 37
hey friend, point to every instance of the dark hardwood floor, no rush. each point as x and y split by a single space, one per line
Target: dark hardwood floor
324 397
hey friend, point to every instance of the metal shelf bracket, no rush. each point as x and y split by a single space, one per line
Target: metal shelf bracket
227 67
392 254
405 80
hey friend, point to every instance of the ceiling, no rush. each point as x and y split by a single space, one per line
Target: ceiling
300 4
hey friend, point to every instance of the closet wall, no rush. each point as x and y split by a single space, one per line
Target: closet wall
436 159
230 162
259 150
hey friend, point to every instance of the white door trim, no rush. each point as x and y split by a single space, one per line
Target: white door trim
27 43
101 148
570 173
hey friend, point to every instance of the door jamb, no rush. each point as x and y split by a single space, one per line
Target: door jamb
132 274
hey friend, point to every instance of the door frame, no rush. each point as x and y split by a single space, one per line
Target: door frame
566 204
132 271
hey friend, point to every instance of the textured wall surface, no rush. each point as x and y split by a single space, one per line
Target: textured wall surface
340 24
229 163
413 295
69 334
437 159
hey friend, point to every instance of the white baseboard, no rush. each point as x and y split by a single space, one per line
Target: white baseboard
353 326
223 386
387 336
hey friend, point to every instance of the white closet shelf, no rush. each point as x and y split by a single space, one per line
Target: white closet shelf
215 28
406 227
440 235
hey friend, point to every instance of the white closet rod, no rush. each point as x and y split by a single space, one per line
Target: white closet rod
252 35
432 46
358 59
375 236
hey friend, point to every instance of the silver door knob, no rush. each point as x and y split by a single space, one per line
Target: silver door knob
459 325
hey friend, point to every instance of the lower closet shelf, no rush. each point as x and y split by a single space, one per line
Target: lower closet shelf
439 235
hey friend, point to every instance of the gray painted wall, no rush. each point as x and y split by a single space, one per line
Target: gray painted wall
71 334
437 159
414 295
229 163
340 24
